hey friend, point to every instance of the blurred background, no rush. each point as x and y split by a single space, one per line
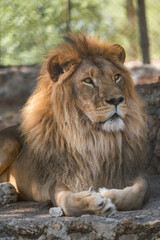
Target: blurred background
30 28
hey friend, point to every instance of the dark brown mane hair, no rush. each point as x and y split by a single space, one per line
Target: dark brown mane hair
78 47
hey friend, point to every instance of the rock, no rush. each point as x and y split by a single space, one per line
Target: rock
16 84
129 237
151 95
145 74
30 220
56 212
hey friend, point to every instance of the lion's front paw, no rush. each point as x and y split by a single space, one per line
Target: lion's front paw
90 202
99 205
85 202
7 193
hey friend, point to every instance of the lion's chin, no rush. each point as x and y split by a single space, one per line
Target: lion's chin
113 125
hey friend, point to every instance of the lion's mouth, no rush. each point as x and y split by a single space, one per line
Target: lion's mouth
114 117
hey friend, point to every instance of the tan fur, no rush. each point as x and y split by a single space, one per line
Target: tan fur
65 143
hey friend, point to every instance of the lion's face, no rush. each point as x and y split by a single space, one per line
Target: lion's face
98 89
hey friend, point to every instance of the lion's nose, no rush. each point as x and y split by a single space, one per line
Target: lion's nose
115 101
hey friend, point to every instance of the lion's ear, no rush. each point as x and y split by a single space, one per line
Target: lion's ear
119 52
54 68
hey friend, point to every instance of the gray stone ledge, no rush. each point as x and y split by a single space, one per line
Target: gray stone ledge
30 220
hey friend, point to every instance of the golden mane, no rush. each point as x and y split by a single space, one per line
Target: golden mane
51 120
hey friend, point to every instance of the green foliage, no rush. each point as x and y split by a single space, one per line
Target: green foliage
30 28
153 17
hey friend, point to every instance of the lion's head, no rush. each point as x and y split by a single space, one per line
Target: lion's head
100 87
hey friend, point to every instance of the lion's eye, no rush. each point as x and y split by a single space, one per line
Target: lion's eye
88 81
117 77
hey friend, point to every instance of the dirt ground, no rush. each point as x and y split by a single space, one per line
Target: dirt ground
9 117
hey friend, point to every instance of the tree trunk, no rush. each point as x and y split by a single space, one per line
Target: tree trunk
131 17
68 15
144 40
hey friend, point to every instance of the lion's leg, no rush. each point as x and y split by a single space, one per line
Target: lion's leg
10 146
129 198
76 204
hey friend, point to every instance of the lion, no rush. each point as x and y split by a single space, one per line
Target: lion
82 128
